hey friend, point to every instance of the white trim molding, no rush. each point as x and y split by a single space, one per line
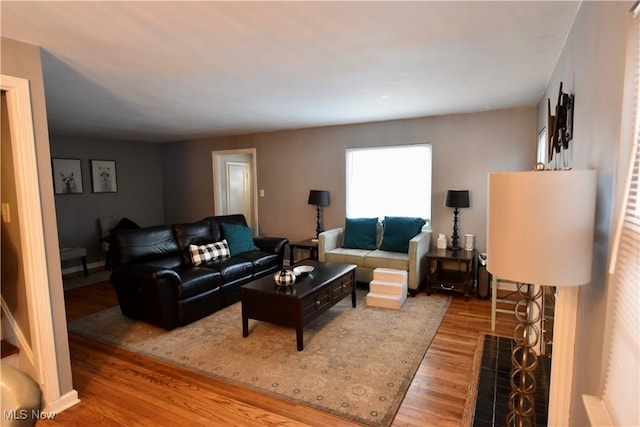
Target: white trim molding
18 339
216 157
564 339
34 256
596 411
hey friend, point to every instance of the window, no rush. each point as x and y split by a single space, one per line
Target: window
618 402
621 392
389 181
541 155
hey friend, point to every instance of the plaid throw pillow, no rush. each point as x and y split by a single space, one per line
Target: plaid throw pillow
211 252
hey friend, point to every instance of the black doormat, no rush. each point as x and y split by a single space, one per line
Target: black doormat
491 406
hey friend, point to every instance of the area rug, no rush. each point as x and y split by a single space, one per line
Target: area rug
357 363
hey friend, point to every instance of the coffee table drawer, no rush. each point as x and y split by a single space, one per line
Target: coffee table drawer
316 303
341 287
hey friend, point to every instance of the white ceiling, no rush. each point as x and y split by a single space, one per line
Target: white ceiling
166 71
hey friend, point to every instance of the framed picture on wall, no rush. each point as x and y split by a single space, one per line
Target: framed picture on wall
103 176
67 176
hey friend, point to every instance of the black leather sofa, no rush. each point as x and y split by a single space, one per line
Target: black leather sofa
156 282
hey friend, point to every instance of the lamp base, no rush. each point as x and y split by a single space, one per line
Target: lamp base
524 359
319 227
455 245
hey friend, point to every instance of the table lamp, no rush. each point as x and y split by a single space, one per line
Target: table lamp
540 232
456 199
319 198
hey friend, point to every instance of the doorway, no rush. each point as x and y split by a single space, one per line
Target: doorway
235 184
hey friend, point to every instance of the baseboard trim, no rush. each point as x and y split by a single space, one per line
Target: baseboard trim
62 403
78 268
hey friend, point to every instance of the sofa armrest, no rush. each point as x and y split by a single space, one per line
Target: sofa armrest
329 240
418 266
271 244
147 293
142 272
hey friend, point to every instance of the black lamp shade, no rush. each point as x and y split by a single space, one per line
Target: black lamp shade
319 197
457 199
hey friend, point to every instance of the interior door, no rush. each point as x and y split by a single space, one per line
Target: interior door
239 189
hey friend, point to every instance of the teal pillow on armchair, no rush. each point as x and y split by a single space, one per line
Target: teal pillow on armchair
398 231
360 233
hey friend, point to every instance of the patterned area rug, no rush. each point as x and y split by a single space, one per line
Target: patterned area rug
357 363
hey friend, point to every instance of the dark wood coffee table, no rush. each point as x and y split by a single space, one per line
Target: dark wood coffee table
297 305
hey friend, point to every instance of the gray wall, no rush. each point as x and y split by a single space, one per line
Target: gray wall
290 163
139 195
592 67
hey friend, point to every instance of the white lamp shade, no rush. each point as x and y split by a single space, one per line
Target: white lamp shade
541 226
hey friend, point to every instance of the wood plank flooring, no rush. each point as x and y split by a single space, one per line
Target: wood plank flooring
118 388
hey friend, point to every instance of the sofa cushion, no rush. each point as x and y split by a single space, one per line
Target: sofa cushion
239 238
196 281
262 261
360 233
387 259
168 262
347 256
398 231
143 245
193 233
232 269
210 252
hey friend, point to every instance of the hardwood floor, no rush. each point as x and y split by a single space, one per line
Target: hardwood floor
118 388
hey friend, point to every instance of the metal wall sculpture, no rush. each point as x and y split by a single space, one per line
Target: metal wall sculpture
560 126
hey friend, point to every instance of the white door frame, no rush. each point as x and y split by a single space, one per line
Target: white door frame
34 255
216 157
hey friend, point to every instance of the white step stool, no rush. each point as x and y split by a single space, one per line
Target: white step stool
388 289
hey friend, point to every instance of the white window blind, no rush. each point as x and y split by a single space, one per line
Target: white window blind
621 391
389 181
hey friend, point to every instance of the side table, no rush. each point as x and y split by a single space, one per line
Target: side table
309 244
453 271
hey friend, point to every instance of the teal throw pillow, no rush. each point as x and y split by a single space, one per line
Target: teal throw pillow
239 238
398 231
360 233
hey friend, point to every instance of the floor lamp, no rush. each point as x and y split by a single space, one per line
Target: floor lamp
540 232
319 198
